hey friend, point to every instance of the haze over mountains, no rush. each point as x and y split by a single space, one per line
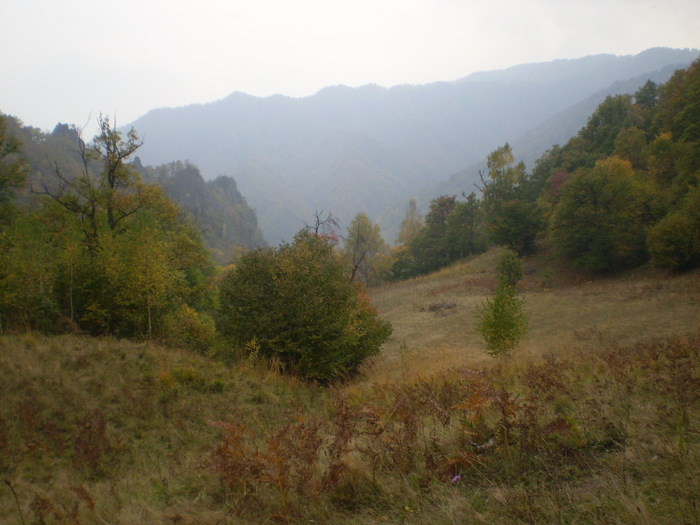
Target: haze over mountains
369 149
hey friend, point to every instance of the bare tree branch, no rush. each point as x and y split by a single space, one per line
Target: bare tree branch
321 225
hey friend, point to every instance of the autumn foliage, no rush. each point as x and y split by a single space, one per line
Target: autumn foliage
296 304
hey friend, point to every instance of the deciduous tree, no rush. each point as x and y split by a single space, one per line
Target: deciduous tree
513 215
674 242
12 168
601 219
107 198
369 256
501 320
411 224
465 232
295 303
427 248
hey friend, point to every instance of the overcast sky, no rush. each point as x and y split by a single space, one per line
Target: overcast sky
68 60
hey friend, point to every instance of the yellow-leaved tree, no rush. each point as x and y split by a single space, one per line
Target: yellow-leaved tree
369 257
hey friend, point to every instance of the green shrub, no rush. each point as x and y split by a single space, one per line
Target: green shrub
674 243
190 329
510 268
500 319
297 305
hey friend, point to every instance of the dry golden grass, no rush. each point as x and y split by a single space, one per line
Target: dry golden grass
125 426
567 312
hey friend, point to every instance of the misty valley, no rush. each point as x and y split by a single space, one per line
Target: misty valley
461 302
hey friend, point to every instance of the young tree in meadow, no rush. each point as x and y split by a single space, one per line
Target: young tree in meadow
369 256
501 320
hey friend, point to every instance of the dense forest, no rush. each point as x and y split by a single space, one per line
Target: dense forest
95 243
621 193
94 248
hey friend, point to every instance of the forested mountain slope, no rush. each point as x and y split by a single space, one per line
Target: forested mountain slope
527 147
621 193
352 150
216 207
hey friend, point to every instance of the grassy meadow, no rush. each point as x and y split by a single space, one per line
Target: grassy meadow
593 419
433 316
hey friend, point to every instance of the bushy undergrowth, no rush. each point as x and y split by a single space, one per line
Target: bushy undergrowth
107 431
98 431
604 437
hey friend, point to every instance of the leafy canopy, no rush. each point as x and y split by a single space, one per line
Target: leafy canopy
600 221
99 251
368 255
513 216
295 303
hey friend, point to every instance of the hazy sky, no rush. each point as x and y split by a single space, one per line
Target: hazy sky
69 60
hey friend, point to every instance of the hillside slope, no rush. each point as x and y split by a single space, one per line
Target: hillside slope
223 216
594 419
434 316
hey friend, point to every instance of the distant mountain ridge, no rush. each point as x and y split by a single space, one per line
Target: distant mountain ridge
529 146
349 150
